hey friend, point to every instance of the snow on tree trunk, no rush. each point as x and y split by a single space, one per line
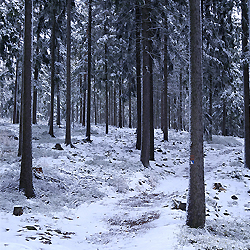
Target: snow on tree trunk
196 197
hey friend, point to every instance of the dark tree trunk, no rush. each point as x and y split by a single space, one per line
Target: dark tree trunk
245 37
84 109
120 103
95 106
81 93
115 107
20 146
138 74
89 71
180 104
26 182
53 37
165 90
151 120
106 90
145 150
15 120
68 91
58 106
196 196
129 107
224 118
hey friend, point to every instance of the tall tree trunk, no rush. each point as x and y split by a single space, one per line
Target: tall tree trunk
89 71
115 107
58 100
120 103
151 119
138 74
95 105
129 106
81 93
106 90
20 146
26 182
84 108
145 149
58 106
224 118
165 89
15 95
196 196
245 37
68 91
53 37
180 103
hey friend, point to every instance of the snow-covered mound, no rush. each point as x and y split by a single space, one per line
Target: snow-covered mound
99 196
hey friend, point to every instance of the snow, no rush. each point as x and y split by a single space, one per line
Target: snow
99 196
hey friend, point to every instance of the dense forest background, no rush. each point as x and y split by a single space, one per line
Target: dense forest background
115 39
179 65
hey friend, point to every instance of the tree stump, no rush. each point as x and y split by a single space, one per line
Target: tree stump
18 211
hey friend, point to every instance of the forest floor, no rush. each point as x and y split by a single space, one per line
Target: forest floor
99 196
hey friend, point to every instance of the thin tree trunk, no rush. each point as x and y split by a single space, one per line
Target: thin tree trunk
138 74
120 103
89 72
68 91
165 90
58 121
81 93
180 104
106 89
224 117
210 129
115 107
84 109
129 106
20 146
151 119
95 105
26 182
245 37
53 37
15 94
196 196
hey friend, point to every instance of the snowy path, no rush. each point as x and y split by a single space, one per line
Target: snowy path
99 196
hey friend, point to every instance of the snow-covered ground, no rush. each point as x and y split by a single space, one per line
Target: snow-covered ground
99 196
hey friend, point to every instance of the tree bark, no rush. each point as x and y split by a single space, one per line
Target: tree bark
15 94
180 103
89 72
26 182
115 107
53 37
245 37
196 196
165 90
68 91
138 73
106 90
120 103
145 150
